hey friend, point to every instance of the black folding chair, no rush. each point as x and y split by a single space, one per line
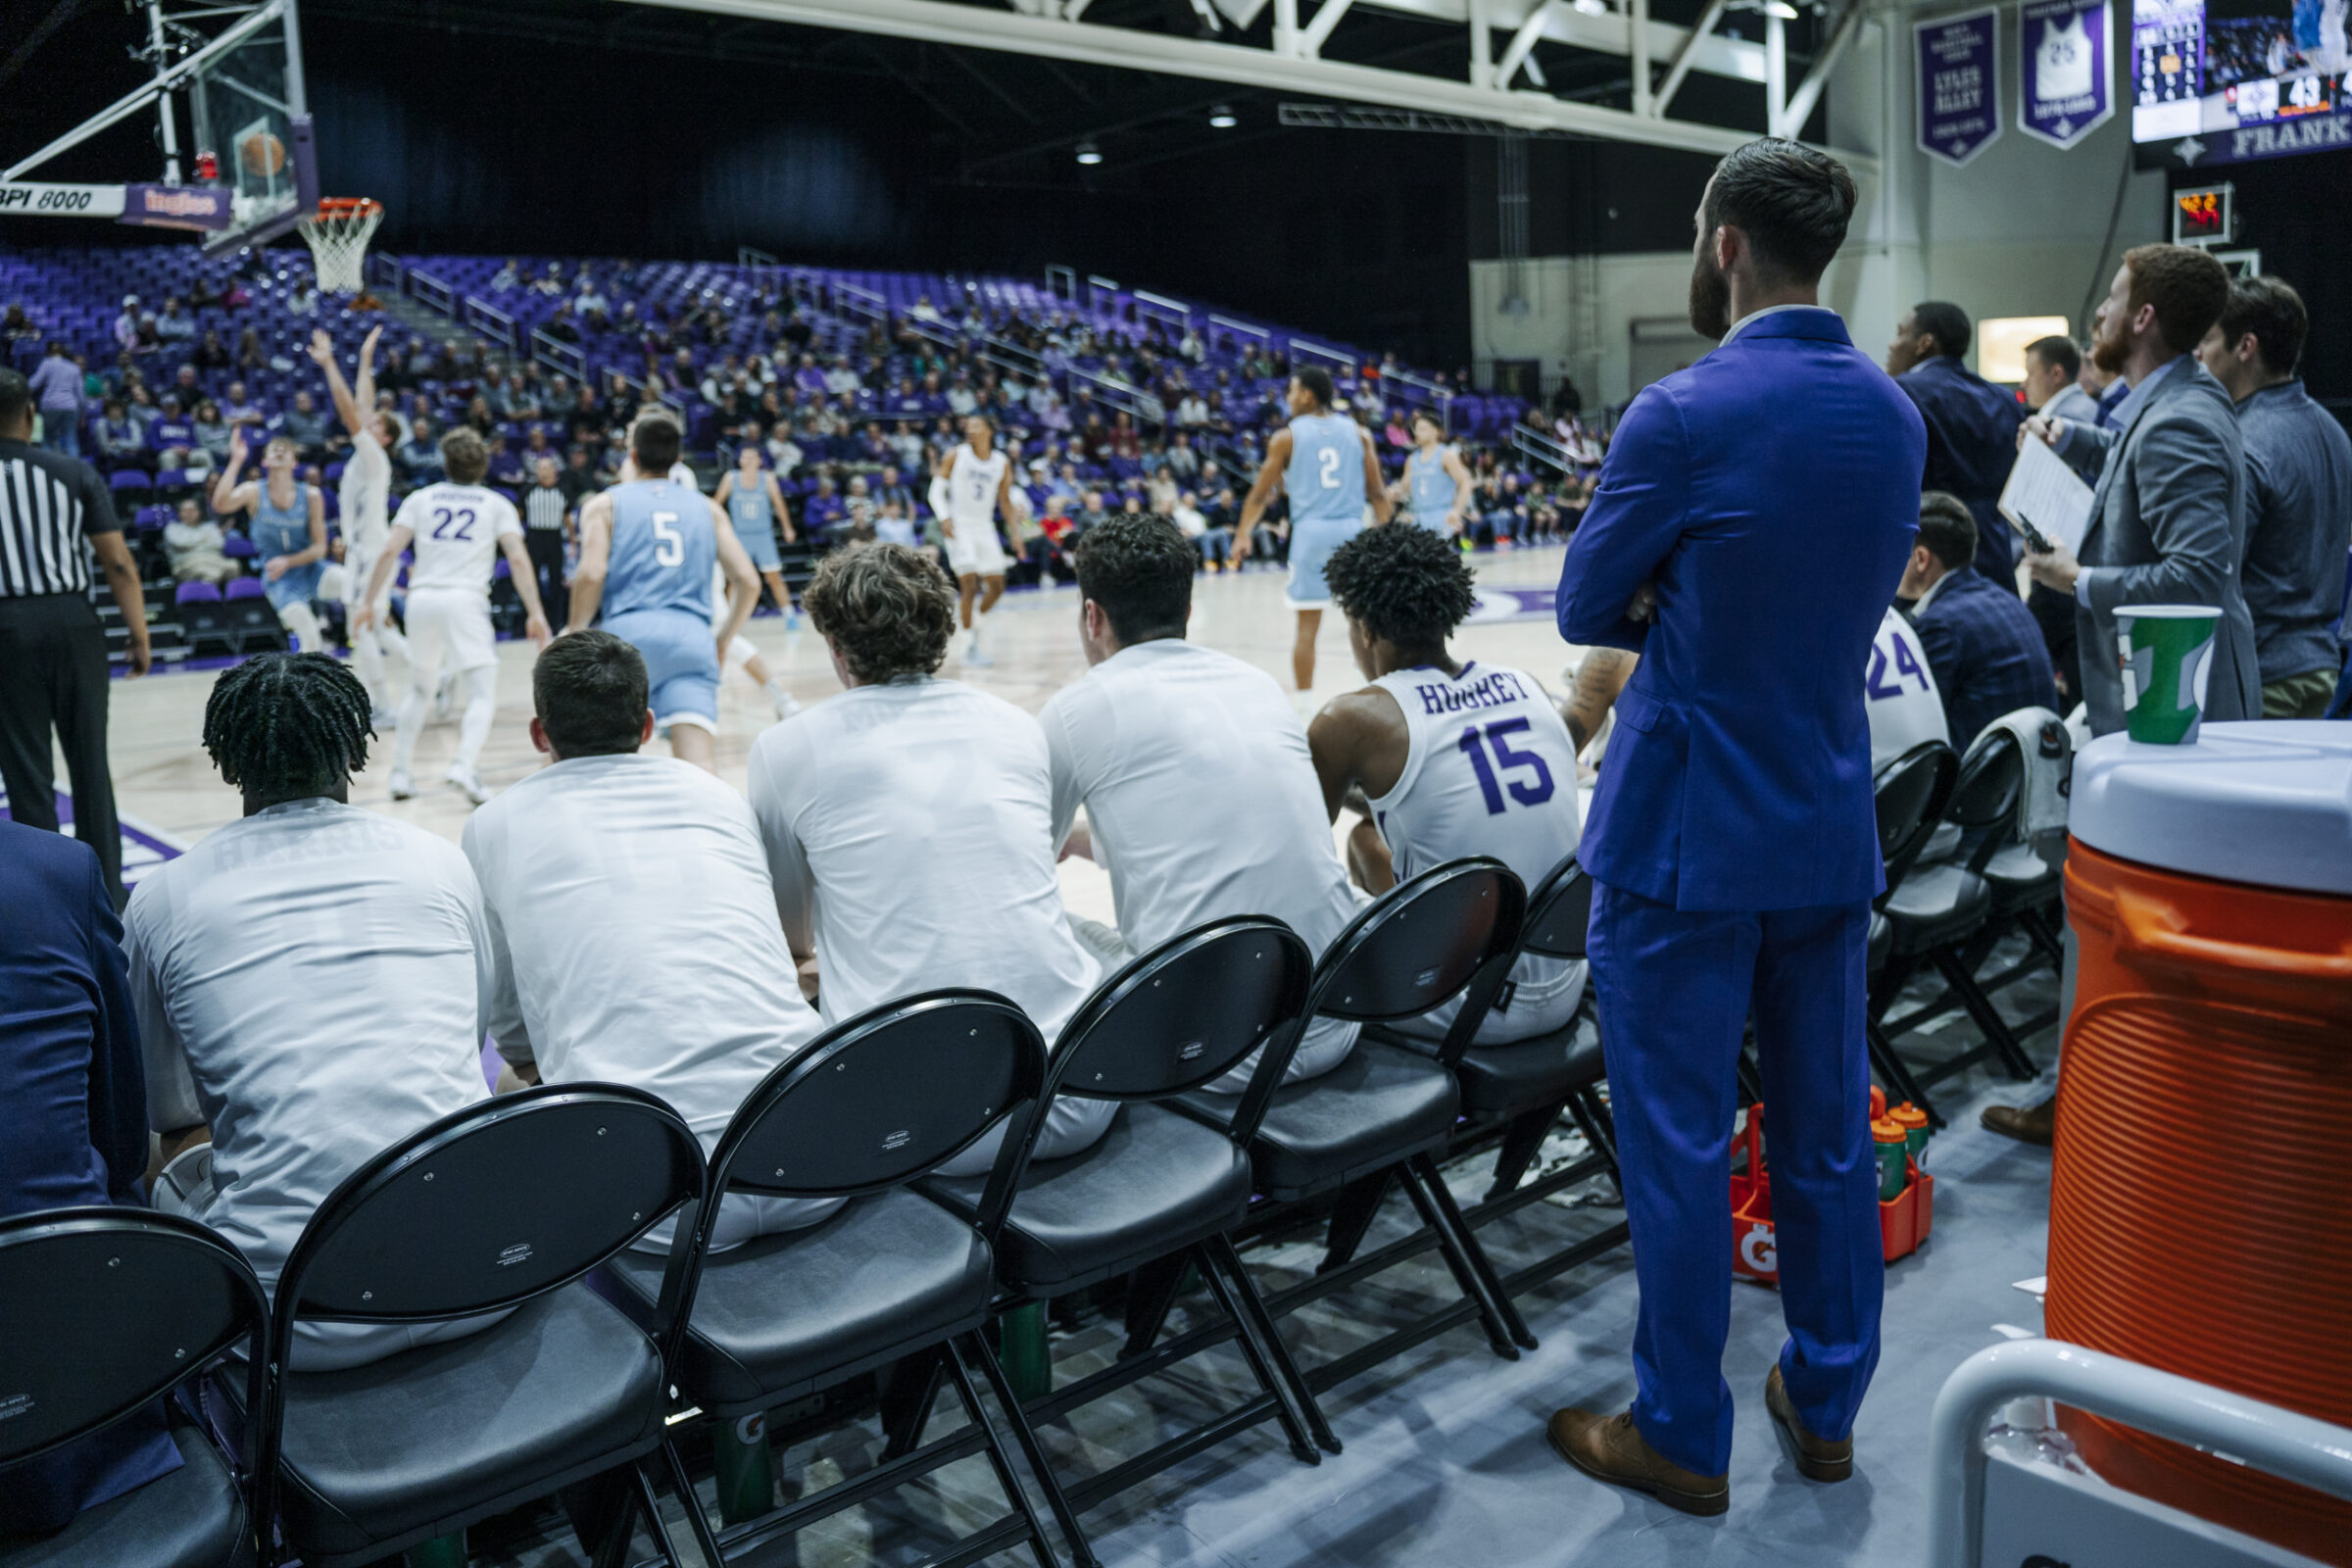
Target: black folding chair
1343 1137
1945 915
103 1312
873 1104
1909 793
1161 1189
502 1206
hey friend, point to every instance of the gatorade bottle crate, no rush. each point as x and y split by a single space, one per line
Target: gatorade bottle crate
1904 1220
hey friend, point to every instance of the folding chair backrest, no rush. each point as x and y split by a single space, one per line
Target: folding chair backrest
488 1207
1984 795
1559 910
104 1309
1419 944
883 1098
1910 793
1185 1013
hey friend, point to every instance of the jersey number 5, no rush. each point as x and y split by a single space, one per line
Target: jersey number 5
671 550
1498 737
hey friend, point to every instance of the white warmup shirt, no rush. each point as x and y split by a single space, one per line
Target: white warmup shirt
311 982
457 529
360 503
633 938
1899 694
1490 770
909 833
1157 742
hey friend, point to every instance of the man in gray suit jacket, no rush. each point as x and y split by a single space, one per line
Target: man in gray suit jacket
2168 520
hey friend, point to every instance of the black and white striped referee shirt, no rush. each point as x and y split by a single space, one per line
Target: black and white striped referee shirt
544 506
50 505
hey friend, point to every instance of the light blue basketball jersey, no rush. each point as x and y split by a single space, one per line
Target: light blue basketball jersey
663 549
749 507
1430 487
1326 476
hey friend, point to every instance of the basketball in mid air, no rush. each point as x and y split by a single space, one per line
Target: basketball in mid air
261 154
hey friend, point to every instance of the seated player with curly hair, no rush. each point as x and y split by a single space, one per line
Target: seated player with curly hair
310 982
1444 758
907 824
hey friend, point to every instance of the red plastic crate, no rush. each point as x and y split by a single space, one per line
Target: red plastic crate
1904 1223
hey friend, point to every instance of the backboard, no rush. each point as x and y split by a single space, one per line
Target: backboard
247 109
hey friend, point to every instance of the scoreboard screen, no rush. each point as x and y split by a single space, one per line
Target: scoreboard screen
2226 81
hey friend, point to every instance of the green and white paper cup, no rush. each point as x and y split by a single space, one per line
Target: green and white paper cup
2167 657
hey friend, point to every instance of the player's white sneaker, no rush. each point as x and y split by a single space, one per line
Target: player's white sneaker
466 782
974 659
403 787
784 703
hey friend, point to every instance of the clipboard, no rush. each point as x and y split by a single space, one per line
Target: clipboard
2047 501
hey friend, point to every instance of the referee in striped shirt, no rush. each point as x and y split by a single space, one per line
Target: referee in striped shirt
54 512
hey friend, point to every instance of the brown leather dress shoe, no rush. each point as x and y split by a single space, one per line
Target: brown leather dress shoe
1612 1449
2032 1126
1816 1460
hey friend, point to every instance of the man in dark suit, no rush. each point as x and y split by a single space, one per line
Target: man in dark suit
1734 840
2168 519
1971 425
75 1128
1983 645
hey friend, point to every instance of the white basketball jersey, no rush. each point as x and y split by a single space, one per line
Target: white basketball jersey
1898 693
364 496
457 529
1492 771
972 485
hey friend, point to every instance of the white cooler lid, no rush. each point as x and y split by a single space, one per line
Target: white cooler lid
2265 801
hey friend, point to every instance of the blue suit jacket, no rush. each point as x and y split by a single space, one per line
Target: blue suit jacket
1972 445
75 1127
1771 493
1986 652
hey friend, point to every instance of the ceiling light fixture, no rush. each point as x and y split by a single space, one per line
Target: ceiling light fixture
1222 118
1089 154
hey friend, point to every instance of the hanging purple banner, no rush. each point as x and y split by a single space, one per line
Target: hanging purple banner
1959 84
2065 89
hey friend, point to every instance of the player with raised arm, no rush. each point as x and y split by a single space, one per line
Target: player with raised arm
365 508
1437 482
1327 466
967 492
1453 757
648 547
287 523
458 529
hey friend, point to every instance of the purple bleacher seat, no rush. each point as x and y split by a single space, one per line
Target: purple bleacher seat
500 570
237 547
246 588
199 593
130 479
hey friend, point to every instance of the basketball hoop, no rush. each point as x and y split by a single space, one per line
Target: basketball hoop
338 237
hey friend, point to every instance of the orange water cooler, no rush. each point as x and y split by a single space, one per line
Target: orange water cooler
2201 1197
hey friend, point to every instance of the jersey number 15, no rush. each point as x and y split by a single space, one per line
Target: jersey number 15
1497 737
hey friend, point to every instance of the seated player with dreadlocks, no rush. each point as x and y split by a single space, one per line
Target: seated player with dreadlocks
310 982
1450 758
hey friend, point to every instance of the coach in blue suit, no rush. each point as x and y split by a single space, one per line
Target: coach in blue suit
1752 523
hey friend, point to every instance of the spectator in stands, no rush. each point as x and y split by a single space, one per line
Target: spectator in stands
175 325
236 980
174 437
249 351
76 1098
212 356
893 525
1131 743
1972 424
2169 523
824 509
588 957
57 387
418 458
974 899
508 469
237 408
120 441
2298 495
314 439
195 547
586 420
302 300
127 325
185 382
1982 644
212 433
507 279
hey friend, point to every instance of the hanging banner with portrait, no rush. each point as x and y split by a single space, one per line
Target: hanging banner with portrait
2065 86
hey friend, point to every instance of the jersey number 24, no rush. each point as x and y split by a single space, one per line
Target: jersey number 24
1497 737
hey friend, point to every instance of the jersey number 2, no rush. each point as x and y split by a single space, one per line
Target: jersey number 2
1331 467
1498 737
671 550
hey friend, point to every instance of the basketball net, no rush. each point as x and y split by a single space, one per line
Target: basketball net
338 235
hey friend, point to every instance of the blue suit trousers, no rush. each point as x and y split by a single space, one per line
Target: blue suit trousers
1675 989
